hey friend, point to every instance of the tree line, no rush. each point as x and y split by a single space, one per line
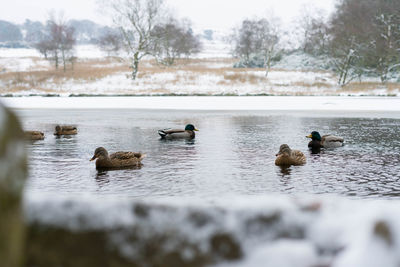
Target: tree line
147 28
142 28
361 38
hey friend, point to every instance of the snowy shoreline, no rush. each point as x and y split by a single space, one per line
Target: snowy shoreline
25 73
262 103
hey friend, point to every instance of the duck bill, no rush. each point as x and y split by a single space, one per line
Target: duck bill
309 136
93 158
196 129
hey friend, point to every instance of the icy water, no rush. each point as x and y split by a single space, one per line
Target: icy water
232 154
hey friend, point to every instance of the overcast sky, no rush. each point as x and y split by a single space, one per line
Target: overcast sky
213 14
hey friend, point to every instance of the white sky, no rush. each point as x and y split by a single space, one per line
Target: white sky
213 14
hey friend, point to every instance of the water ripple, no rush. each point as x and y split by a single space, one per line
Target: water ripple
233 153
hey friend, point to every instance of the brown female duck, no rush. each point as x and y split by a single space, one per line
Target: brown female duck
34 135
117 160
287 156
65 130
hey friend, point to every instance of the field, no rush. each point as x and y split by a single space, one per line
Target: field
25 73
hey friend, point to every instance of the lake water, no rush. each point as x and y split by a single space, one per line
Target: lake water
232 155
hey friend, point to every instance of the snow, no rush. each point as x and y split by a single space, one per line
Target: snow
275 230
280 253
185 82
83 51
18 52
8 64
211 103
294 75
214 49
301 61
89 51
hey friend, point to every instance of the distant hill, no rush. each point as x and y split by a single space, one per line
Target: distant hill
31 32
10 32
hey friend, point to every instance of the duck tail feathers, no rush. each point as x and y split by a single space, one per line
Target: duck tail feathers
162 133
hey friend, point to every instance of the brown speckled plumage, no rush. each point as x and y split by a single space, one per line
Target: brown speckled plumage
34 135
117 160
65 130
287 156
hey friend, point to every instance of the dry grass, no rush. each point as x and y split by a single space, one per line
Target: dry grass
303 71
243 77
184 72
357 87
314 84
87 70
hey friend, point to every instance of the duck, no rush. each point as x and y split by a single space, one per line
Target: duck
34 135
288 157
65 130
187 133
326 141
117 160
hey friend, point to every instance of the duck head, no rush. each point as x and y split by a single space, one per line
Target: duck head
284 150
314 136
58 129
190 127
99 153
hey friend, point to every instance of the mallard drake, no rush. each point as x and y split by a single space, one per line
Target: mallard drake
34 135
187 133
65 130
326 141
117 160
287 156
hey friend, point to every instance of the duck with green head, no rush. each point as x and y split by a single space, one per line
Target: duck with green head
187 133
326 141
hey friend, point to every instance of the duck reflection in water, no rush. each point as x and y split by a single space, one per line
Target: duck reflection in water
102 177
109 177
285 170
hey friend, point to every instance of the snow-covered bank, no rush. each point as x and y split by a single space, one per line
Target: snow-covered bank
210 103
277 230
211 73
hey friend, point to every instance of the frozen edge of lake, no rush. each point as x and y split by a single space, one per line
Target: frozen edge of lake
306 103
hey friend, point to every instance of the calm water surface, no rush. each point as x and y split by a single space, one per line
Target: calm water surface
233 154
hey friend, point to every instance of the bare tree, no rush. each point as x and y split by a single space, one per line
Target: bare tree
136 20
44 47
365 38
257 41
243 40
171 41
110 42
267 40
348 29
58 42
312 28
386 44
